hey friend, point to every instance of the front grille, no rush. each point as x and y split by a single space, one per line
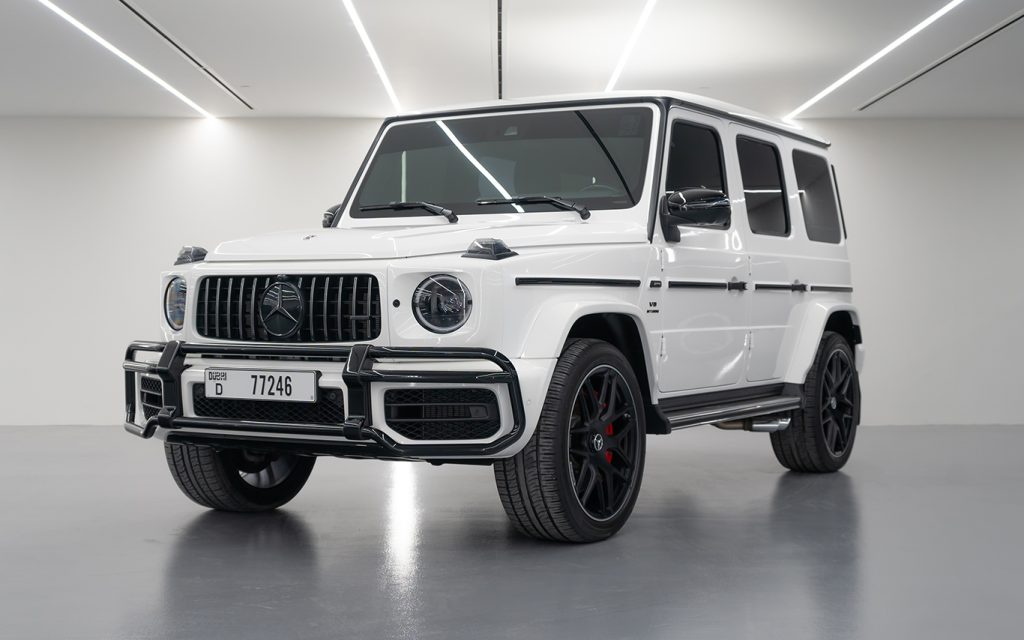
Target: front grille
336 308
442 414
329 408
151 394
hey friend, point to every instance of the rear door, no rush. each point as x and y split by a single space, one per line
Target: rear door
766 203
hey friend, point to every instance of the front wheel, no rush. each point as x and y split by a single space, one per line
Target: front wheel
235 479
578 477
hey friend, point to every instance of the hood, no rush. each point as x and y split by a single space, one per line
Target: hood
390 242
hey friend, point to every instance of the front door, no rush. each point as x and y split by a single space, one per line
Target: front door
704 302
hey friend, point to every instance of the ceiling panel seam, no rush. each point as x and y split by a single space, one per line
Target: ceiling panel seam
188 56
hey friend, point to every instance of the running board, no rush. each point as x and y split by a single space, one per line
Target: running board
733 412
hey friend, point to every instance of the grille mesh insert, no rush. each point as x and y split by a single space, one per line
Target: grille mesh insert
336 308
442 414
329 408
151 394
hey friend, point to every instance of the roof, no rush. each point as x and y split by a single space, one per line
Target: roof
689 100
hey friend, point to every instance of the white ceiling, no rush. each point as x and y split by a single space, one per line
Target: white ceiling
304 59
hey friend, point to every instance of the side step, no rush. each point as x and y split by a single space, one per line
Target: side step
729 414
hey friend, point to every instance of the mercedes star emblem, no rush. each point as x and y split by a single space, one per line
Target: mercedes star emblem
281 309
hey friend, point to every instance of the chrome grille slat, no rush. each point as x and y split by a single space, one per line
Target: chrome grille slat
337 308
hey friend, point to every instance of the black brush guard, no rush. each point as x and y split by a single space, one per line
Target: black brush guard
361 439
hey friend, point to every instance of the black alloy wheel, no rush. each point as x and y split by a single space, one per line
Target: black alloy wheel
578 477
820 436
838 402
263 470
603 442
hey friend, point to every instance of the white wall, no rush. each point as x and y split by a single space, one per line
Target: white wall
936 223
92 210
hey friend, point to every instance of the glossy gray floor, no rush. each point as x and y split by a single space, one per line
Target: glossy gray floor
920 537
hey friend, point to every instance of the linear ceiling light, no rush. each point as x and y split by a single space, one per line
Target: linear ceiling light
873 59
641 21
368 44
124 56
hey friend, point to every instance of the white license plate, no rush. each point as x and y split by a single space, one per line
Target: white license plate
241 384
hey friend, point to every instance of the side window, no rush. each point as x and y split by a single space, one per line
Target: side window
761 171
817 197
694 159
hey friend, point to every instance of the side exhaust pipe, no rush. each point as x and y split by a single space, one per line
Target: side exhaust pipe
766 424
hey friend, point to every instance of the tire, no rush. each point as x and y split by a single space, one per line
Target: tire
821 436
598 446
236 480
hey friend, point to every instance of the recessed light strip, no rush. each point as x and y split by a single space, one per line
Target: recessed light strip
875 58
633 37
374 58
124 56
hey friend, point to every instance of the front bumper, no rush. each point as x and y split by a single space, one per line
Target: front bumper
362 368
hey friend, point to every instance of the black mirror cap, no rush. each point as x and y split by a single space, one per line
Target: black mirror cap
489 249
699 208
189 254
331 215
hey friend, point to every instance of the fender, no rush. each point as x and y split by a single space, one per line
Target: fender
551 325
803 341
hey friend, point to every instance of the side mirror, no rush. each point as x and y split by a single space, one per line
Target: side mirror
694 208
331 215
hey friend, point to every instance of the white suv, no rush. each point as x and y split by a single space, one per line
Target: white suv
535 286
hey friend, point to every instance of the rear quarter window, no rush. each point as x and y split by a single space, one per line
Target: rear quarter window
817 197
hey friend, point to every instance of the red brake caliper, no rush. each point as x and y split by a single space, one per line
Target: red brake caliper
608 454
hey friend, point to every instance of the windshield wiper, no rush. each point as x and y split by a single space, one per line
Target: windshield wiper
555 201
435 209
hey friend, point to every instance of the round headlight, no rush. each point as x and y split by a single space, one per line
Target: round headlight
174 303
442 303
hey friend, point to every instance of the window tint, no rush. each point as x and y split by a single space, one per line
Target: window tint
761 170
694 159
596 157
817 198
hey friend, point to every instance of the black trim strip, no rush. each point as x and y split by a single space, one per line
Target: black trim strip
680 284
188 56
577 282
732 285
938 63
816 287
771 286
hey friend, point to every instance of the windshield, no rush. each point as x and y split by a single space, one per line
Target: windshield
596 157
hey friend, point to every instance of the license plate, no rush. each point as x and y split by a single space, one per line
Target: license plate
239 384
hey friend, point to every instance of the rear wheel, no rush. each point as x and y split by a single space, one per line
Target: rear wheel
820 438
235 479
578 477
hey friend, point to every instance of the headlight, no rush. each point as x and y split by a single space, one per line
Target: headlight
442 303
174 303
